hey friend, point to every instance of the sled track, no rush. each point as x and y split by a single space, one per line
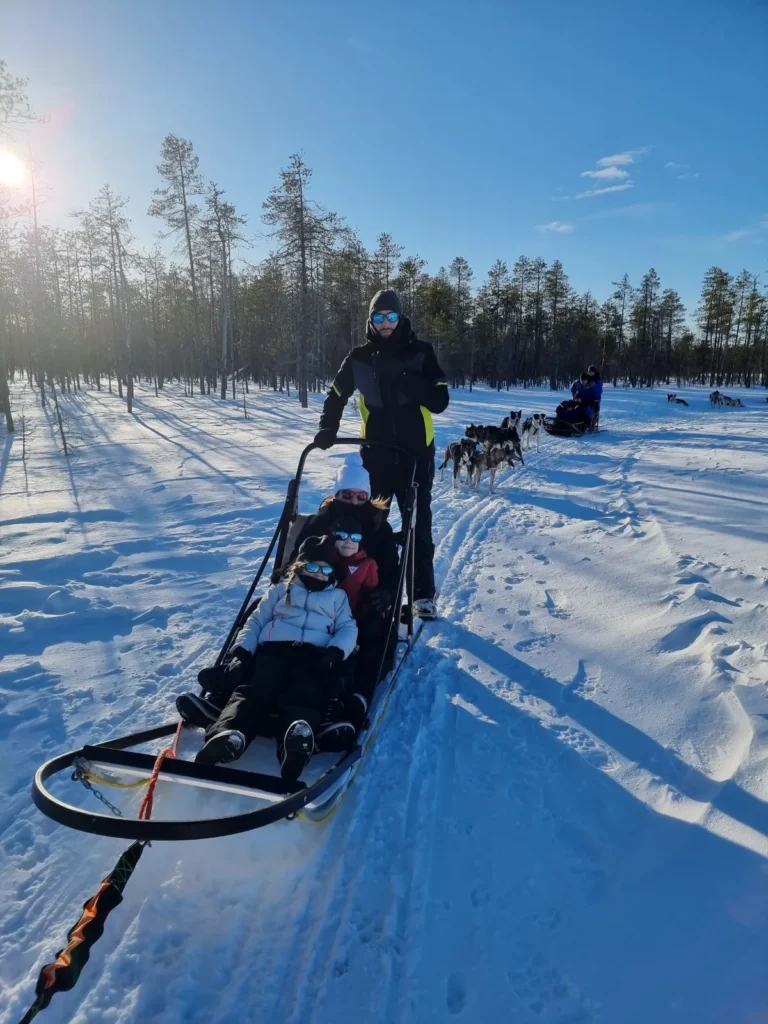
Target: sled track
406 763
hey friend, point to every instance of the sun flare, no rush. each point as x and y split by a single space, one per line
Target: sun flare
11 169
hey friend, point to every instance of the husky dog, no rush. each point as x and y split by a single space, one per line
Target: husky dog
460 452
489 459
731 401
532 428
680 401
715 398
513 421
493 436
671 396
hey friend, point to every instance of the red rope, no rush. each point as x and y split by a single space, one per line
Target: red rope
145 808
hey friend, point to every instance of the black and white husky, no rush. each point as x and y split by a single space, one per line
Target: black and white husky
460 453
513 421
533 427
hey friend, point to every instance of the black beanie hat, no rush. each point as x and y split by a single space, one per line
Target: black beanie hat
321 549
346 523
387 298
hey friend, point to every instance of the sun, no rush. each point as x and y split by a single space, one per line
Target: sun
11 169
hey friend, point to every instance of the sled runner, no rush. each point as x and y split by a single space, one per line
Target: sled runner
275 797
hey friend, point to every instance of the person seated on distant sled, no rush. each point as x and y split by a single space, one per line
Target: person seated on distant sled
288 659
596 380
582 408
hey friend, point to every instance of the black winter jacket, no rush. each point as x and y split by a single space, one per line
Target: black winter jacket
400 385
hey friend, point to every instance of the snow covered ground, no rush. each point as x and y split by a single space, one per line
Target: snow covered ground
565 818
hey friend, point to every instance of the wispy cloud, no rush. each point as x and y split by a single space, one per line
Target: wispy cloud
623 158
606 174
758 228
559 199
603 191
557 226
670 165
687 175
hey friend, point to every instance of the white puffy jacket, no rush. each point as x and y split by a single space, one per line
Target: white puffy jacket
321 618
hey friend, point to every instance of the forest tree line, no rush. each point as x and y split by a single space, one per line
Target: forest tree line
87 306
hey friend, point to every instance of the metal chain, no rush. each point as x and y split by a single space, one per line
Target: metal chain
79 776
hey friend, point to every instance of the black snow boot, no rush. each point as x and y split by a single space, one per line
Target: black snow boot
335 736
356 710
224 746
297 748
197 711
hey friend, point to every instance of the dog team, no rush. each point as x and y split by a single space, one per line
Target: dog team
718 398
485 449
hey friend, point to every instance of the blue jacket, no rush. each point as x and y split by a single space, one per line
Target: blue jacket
587 393
598 388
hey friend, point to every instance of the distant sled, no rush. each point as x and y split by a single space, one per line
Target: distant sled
565 422
330 776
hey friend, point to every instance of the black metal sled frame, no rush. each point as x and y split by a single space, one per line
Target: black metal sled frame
563 428
284 799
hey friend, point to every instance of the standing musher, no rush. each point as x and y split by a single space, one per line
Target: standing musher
400 385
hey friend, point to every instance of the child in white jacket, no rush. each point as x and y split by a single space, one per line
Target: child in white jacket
291 649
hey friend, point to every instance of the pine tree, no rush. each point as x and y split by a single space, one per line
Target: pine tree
172 202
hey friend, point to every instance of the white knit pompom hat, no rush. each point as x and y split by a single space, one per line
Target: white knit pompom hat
352 475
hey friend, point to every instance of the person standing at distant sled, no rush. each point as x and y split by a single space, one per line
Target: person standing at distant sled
401 385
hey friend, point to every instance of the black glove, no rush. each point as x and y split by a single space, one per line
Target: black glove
380 599
225 678
330 659
324 438
276 577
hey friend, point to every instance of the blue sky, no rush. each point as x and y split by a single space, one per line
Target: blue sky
459 127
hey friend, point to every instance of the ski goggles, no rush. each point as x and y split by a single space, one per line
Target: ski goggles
326 570
343 535
359 497
379 318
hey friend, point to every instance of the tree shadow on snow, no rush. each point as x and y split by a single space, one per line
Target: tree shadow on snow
555 891
623 737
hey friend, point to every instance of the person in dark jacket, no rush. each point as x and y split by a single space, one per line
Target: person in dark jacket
596 380
401 385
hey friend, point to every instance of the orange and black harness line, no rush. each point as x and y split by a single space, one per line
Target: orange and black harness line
63 973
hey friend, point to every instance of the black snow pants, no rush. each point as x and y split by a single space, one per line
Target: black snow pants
390 476
283 681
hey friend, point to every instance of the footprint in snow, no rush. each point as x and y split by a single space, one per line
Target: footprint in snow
551 605
456 993
535 643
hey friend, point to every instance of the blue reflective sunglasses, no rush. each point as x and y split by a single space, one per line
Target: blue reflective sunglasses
326 570
379 318
343 535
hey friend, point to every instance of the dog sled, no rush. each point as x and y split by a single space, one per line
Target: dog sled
566 424
117 762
